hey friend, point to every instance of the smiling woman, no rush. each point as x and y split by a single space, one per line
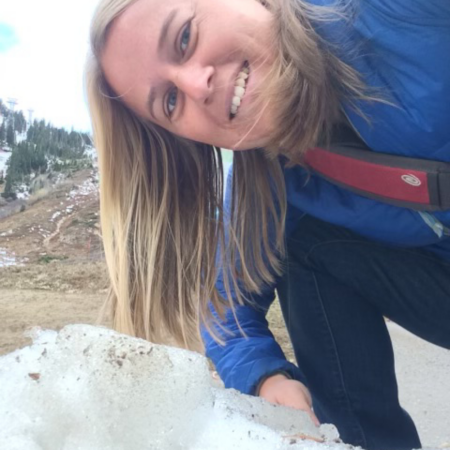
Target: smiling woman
168 84
8 37
177 64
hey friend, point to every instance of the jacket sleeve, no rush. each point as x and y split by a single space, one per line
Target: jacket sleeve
249 357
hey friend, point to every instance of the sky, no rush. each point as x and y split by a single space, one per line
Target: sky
43 44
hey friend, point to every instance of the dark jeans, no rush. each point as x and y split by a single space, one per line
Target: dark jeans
336 289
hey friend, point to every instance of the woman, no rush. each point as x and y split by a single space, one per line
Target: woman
170 82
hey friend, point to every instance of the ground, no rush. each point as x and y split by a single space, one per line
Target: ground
52 273
60 275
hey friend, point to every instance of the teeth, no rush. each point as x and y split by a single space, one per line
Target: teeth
236 101
239 89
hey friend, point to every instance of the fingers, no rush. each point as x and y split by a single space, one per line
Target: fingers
299 402
283 391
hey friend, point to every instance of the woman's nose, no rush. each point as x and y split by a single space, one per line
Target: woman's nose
195 81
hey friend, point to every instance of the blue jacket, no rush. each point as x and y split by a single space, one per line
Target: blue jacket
403 49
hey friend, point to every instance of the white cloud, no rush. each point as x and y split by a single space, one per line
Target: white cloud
45 70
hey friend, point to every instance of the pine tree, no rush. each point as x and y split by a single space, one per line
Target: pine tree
43 142
3 109
2 133
10 135
31 133
20 124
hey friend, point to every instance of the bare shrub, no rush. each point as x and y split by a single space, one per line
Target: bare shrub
39 195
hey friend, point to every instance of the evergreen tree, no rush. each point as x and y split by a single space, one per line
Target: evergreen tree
2 133
10 135
87 139
20 124
31 133
3 109
43 142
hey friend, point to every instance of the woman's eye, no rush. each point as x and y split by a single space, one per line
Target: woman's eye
185 37
171 101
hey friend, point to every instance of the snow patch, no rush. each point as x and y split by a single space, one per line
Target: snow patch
55 215
4 156
86 188
21 137
89 388
9 258
91 152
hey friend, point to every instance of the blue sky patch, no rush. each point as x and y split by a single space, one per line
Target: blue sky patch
8 37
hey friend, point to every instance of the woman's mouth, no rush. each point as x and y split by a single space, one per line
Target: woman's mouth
239 89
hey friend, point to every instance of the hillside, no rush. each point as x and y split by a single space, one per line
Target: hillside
51 262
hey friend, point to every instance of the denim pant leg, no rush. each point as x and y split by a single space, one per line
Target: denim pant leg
336 288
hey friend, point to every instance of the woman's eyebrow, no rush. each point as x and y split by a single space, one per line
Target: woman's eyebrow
165 28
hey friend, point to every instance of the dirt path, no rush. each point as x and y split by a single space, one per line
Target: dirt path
52 236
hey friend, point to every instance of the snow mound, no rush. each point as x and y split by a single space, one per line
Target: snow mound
89 388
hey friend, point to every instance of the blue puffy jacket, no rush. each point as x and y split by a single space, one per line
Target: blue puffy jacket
403 49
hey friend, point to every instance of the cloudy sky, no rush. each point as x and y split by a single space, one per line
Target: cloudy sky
43 44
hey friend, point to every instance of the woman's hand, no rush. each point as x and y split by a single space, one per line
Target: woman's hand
281 390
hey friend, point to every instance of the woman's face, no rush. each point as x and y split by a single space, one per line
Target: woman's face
178 63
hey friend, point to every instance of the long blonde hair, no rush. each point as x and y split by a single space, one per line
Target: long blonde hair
161 196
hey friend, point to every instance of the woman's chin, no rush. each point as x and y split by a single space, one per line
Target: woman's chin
250 142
